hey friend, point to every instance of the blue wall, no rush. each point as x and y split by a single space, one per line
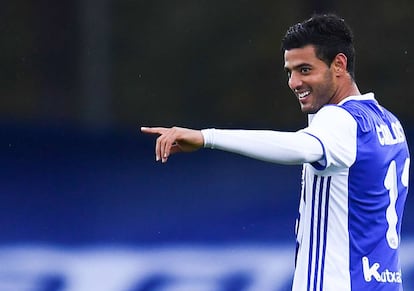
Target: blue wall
68 187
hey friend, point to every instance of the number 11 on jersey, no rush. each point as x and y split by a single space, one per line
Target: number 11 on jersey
391 184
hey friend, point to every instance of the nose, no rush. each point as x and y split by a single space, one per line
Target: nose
295 81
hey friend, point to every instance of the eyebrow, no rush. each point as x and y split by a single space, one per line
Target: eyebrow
297 67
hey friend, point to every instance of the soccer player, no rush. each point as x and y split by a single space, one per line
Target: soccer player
355 163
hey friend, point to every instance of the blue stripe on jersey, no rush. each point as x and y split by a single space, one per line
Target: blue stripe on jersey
315 179
318 234
317 263
325 229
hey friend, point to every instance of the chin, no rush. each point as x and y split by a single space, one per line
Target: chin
309 111
306 110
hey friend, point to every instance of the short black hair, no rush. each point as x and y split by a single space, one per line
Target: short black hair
328 33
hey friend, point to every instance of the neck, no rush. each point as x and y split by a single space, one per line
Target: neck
351 89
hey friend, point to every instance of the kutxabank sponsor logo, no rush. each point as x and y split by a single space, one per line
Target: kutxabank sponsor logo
374 271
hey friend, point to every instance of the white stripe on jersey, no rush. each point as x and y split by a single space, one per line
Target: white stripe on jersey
322 258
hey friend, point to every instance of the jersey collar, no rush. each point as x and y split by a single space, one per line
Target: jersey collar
367 96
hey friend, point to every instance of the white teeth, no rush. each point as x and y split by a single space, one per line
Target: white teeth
303 94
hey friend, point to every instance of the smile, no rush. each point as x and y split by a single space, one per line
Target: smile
303 94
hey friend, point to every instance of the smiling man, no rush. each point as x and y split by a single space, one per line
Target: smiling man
355 163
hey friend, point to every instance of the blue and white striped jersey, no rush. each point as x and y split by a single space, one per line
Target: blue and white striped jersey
351 206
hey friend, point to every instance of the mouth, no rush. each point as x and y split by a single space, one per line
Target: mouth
303 94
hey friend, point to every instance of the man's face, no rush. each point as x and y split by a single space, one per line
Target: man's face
311 80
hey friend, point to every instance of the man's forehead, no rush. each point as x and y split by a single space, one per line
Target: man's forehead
296 56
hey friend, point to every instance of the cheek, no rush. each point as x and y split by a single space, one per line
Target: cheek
323 92
327 84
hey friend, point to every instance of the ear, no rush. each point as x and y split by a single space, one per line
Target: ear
339 64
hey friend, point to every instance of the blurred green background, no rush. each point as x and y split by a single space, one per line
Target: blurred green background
123 64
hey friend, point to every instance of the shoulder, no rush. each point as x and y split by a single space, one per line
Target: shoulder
331 116
334 125
336 130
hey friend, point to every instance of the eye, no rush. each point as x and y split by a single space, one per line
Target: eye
305 70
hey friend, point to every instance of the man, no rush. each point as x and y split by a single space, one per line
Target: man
355 163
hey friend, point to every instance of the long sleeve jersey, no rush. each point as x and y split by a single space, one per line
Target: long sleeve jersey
354 185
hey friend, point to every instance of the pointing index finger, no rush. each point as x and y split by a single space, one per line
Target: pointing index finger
158 130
